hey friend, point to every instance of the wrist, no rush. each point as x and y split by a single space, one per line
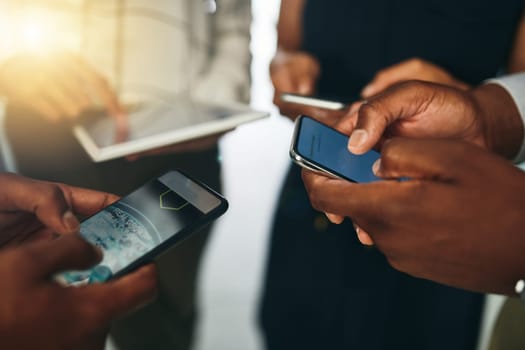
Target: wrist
500 119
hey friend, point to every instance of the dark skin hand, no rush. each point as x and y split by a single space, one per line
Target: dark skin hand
38 313
458 221
485 116
59 87
414 68
31 209
38 240
293 72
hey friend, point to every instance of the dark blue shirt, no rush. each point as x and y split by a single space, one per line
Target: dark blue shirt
353 40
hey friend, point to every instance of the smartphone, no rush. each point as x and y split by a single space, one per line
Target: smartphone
322 149
313 101
146 223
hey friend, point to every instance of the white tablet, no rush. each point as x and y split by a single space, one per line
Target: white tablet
158 124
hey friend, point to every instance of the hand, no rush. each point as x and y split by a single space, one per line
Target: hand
293 72
38 313
58 87
412 69
458 221
31 209
416 110
485 116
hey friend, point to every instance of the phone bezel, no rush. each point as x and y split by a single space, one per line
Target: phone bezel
181 235
313 101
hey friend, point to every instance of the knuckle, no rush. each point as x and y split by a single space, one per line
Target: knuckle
53 192
393 152
381 75
417 63
415 85
368 109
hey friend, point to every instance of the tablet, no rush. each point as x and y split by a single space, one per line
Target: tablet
157 124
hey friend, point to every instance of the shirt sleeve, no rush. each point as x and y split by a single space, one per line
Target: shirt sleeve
515 86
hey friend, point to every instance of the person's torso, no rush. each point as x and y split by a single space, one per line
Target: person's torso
156 48
354 39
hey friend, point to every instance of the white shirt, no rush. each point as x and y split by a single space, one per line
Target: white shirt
515 86
146 49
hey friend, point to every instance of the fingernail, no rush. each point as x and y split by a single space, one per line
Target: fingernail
334 219
70 221
357 139
99 274
376 168
368 91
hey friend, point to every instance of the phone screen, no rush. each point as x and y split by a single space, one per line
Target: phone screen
327 148
134 226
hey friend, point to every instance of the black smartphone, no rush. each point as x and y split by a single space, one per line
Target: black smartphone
313 101
146 223
322 149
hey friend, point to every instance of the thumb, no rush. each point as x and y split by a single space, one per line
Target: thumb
421 159
402 101
43 199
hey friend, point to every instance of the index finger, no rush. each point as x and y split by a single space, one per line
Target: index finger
402 101
85 201
376 200
69 252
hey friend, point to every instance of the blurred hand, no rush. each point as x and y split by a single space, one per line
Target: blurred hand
458 221
38 313
293 72
31 209
57 87
412 69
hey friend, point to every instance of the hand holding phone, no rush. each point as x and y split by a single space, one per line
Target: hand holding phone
320 148
146 223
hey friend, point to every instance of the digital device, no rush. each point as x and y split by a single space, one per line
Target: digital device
313 101
157 124
323 149
145 223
